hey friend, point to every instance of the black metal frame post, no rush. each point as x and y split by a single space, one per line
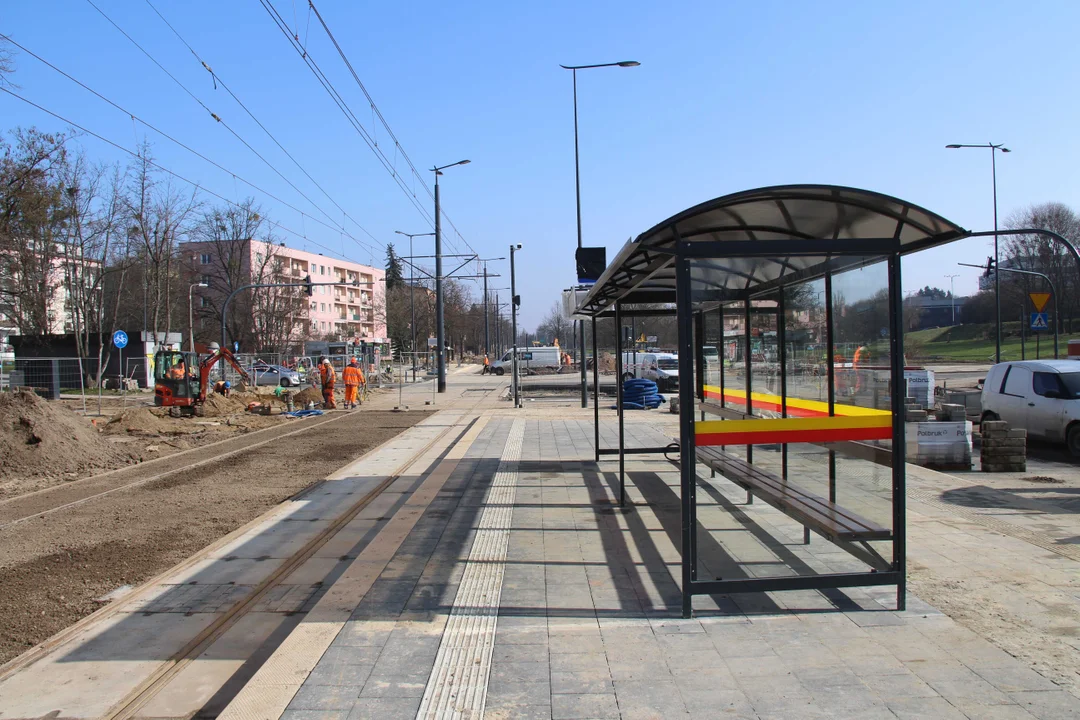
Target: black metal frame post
720 350
688 463
781 340
619 403
596 391
749 384
899 452
830 374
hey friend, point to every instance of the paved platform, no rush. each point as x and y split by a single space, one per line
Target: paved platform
521 591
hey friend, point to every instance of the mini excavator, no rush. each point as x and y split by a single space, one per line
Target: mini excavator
181 380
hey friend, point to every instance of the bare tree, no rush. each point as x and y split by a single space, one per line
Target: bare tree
94 245
1039 254
7 64
159 216
556 325
33 215
244 251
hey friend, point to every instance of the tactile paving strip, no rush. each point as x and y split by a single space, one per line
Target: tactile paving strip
457 687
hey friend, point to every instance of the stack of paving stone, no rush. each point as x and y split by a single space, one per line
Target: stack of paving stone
913 413
952 413
1003 450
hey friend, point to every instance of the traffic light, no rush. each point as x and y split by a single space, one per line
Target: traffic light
517 301
990 267
309 289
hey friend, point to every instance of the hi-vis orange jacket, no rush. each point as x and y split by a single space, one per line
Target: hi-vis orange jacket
352 375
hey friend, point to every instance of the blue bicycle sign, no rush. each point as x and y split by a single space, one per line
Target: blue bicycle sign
120 339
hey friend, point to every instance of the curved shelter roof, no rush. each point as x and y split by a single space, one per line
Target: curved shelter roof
749 243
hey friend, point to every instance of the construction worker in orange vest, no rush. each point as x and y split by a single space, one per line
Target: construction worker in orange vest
353 377
327 378
487 366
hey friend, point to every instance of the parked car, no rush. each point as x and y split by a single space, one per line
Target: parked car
265 374
1042 396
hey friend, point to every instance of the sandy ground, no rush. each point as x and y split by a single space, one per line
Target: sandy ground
52 568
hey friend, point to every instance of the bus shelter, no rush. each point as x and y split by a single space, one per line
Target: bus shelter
803 286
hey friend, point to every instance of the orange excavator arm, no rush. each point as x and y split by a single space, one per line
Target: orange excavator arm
208 364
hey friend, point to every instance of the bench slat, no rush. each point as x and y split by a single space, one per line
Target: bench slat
856 522
809 508
838 514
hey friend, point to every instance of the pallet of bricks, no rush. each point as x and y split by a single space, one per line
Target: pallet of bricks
1003 450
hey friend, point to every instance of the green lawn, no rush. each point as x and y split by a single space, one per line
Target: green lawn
975 343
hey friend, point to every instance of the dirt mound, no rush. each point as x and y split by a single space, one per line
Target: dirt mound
144 421
41 439
303 397
221 406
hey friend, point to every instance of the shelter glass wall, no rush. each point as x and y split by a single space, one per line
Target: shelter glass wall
861 336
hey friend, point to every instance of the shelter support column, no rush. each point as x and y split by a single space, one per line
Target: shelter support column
619 402
830 375
720 350
748 359
781 341
687 466
899 452
596 391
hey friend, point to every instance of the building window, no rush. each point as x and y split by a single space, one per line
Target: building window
314 306
204 302
205 279
205 259
323 307
322 269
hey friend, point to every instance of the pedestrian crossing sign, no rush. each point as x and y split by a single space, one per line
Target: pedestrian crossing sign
1039 300
1039 322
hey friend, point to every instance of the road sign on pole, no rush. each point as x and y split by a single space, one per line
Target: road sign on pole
120 339
1039 300
1039 321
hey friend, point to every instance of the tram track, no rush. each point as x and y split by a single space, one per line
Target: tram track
461 419
160 679
40 503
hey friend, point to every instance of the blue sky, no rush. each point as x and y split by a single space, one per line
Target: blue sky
729 96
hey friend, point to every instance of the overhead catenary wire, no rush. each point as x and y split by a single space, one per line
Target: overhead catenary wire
368 139
376 112
218 119
136 118
218 81
350 116
142 158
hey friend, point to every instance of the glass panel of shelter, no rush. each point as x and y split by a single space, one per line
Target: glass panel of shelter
797 375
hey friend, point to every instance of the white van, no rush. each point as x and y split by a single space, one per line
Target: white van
533 357
663 369
1041 396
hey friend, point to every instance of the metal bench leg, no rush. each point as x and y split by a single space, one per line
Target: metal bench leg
713 474
806 535
749 498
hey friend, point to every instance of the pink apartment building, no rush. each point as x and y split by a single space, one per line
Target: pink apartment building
353 308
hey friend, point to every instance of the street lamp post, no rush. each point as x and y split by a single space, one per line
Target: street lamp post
952 294
513 326
441 349
190 315
580 337
997 260
412 292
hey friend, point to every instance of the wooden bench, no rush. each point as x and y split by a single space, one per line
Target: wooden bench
833 522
